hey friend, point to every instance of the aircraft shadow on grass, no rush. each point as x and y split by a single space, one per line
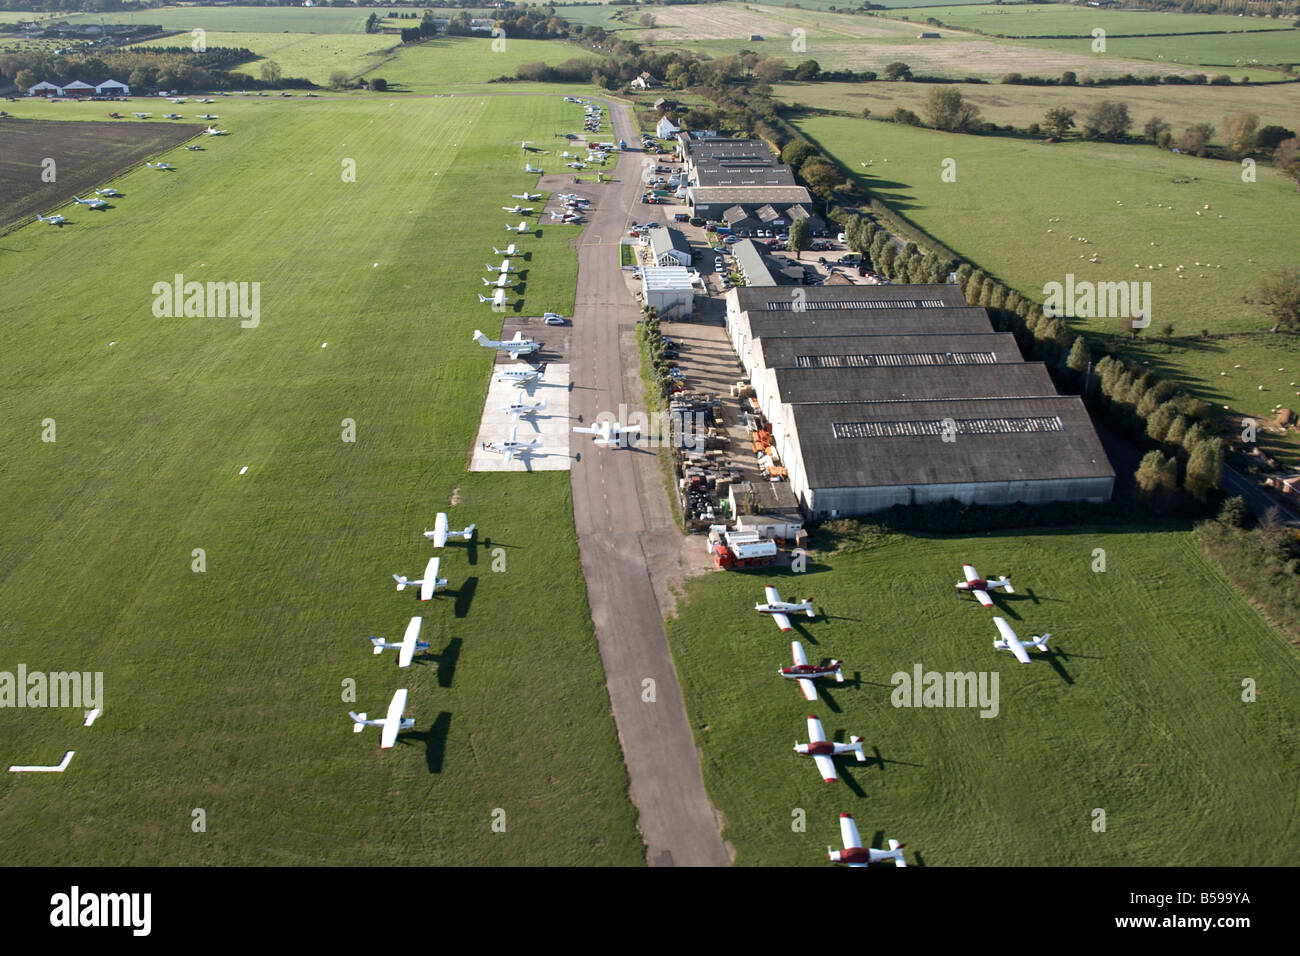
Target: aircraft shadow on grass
445 660
879 760
1055 655
434 740
831 703
465 596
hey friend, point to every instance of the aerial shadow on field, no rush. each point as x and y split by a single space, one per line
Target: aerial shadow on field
879 760
445 659
849 782
831 703
471 549
434 740
465 596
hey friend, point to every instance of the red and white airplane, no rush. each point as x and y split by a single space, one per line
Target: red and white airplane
407 647
441 533
855 854
428 584
779 609
980 587
1010 642
822 750
392 723
805 673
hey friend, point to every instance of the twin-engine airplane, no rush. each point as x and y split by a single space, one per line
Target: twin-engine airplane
981 587
608 434
392 723
405 648
440 532
520 407
822 750
512 446
428 584
1010 642
806 673
855 854
779 609
516 347
524 375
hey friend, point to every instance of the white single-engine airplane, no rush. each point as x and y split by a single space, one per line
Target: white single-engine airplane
516 347
822 750
408 645
526 196
55 220
172 116
530 168
208 116
518 209
513 446
510 250
168 166
107 192
855 854
980 587
498 299
143 115
805 673
429 584
522 227
213 131
1010 642
520 407
608 434
504 268
92 203
779 609
527 375
501 282
440 532
392 724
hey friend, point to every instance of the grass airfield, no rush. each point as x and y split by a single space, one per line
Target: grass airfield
1137 710
223 689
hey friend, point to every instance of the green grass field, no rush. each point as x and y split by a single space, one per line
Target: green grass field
1011 104
1138 710
313 56
318 19
1237 50
1067 19
224 689
458 64
1136 206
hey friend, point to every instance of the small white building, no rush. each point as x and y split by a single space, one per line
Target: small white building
667 129
44 88
670 290
113 88
78 88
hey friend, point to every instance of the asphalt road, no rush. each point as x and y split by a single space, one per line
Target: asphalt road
614 518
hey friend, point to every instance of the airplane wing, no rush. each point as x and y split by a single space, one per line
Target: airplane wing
430 582
393 722
970 572
1013 642
808 688
586 431
796 649
815 732
440 530
826 767
849 832
782 621
408 642
772 596
983 598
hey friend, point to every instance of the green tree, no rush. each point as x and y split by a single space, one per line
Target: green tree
1154 128
945 108
898 71
821 176
1058 121
796 152
1279 293
1079 357
1177 430
1159 421
800 237
1152 477
807 70
1233 513
1195 139
339 79
1108 119
1204 468
1238 131
271 73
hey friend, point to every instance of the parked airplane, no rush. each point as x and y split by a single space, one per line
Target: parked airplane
193 148
518 407
512 446
510 250
577 165
407 646
855 854
518 210
1010 642
440 533
160 165
516 347
565 217
981 587
822 750
213 131
529 168
805 673
429 584
525 375
208 116
55 220
504 268
779 609
522 227
501 282
143 115
392 724
108 192
172 116
92 203
570 197
498 299
526 196
608 434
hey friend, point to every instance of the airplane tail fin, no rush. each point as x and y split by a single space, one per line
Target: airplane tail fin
468 532
856 743
896 847
1041 642
839 674
379 644
809 610
401 582
358 721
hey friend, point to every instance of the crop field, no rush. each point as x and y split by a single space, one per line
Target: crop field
1011 104
319 19
1239 50
1031 213
454 64
1066 19
229 612
1136 711
83 154
313 56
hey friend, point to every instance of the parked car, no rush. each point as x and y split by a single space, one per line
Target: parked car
553 318
653 225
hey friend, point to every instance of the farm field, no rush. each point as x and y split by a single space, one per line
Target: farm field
224 690
1239 50
1137 711
319 19
1067 19
85 154
455 64
1136 207
313 56
1011 104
